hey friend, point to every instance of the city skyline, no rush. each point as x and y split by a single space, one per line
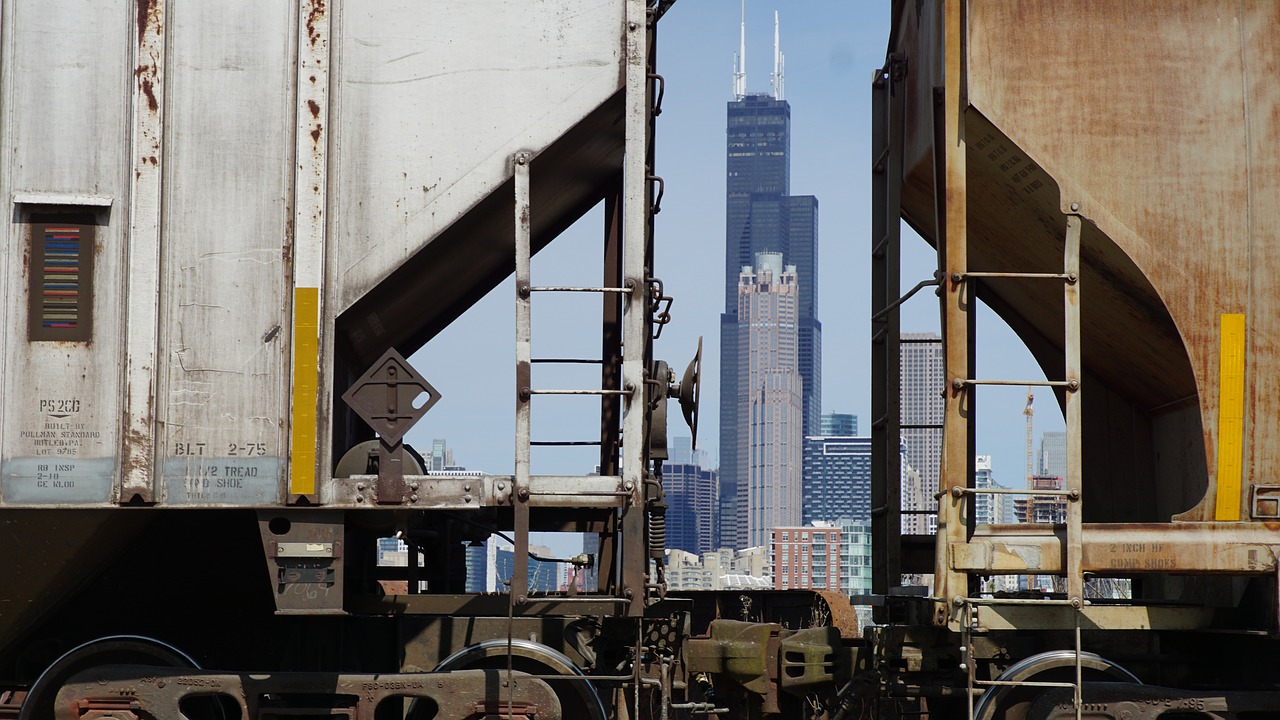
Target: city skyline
833 49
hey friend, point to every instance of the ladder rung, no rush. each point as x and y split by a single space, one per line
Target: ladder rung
566 361
921 341
1024 383
563 443
1029 276
1026 683
1012 491
567 288
579 392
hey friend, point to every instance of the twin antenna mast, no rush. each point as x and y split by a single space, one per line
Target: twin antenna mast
740 60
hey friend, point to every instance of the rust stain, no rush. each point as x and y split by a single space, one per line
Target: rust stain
153 160
312 78
145 86
315 134
314 107
146 13
318 11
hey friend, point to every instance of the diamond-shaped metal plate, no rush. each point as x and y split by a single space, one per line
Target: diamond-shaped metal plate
383 397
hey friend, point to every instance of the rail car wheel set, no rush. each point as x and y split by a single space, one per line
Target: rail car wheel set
231 225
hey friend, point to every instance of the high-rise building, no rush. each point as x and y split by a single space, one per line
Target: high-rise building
838 424
762 216
770 426
692 496
806 557
990 508
1053 454
855 557
441 456
837 478
680 450
922 410
490 565
1044 509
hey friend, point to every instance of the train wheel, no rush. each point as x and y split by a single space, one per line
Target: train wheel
1007 702
113 650
578 698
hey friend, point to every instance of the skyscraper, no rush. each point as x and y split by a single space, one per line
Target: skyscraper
837 478
1053 454
922 411
692 495
770 427
762 216
838 424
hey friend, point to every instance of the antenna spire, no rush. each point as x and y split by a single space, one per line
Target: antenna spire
779 62
740 59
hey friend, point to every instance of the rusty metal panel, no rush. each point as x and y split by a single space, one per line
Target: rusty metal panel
228 155
1191 548
1172 159
64 99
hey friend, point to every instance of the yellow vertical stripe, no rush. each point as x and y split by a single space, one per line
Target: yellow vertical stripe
1230 417
306 362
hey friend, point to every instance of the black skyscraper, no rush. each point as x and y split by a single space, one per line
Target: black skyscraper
761 216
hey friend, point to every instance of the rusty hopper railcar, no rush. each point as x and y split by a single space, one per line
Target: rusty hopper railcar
1104 176
229 223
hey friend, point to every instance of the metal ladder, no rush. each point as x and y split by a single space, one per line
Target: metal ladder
963 292
627 321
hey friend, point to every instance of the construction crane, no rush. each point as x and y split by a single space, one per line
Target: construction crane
1028 412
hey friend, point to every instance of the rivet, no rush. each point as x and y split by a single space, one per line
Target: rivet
359 498
413 497
360 486
1075 207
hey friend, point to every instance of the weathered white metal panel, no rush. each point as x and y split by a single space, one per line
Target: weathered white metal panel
180 127
228 186
65 96
431 100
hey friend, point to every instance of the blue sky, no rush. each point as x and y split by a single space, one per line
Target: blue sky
832 48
